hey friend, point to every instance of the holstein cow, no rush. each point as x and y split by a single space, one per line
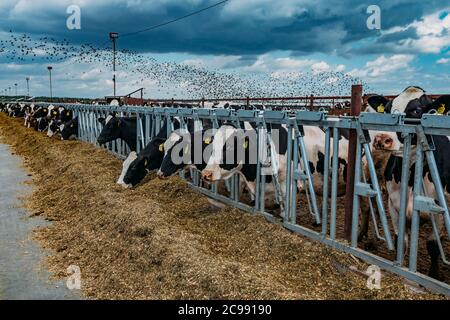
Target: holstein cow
412 101
184 151
136 167
64 116
124 128
69 130
234 152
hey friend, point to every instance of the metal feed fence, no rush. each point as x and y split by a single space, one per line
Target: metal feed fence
319 216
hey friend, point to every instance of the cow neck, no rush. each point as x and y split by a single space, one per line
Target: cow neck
129 133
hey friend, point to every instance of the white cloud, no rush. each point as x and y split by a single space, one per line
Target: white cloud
320 67
433 34
443 61
383 66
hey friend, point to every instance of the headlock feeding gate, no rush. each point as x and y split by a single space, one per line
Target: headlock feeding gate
310 213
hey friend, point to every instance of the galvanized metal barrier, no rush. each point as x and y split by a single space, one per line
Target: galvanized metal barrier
321 222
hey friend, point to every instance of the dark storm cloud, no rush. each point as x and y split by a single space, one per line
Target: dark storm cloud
240 27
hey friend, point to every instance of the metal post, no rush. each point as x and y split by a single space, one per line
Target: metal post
15 85
28 86
50 75
113 36
355 111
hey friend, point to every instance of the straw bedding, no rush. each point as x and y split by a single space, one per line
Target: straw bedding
163 241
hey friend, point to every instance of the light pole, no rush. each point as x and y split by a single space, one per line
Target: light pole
9 88
28 86
50 74
113 36
15 85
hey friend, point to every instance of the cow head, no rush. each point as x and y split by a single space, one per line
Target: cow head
53 128
147 160
69 130
439 106
65 114
230 150
412 102
377 103
111 129
42 124
40 112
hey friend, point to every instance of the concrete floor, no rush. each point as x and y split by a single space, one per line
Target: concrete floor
22 275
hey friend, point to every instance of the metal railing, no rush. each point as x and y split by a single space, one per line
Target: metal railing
318 216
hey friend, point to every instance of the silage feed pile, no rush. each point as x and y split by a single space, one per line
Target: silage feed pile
163 241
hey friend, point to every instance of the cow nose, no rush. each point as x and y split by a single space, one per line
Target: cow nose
383 141
160 174
207 175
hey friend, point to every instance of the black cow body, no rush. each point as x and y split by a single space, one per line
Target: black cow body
69 130
150 158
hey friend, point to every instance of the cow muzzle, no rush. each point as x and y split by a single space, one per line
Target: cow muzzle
383 142
161 175
207 175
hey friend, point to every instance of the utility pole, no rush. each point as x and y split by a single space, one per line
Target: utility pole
9 88
50 74
113 36
28 86
15 85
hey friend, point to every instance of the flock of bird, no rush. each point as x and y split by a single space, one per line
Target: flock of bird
190 82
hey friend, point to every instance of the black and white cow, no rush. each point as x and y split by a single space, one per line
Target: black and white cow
69 130
413 102
136 166
114 127
188 148
234 152
42 124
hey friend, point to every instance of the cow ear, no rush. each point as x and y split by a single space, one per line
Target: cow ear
101 120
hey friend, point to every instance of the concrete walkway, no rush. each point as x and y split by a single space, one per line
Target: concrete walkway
22 275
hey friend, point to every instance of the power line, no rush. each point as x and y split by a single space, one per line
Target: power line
174 20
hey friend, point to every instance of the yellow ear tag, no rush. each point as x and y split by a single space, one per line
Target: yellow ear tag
161 147
68 113
145 162
441 109
71 125
186 150
380 108
54 113
207 141
245 145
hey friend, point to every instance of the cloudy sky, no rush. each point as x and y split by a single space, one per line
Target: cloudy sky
269 37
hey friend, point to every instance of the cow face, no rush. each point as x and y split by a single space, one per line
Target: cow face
230 150
65 115
176 147
53 128
69 130
111 129
412 102
42 124
185 150
40 112
148 159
